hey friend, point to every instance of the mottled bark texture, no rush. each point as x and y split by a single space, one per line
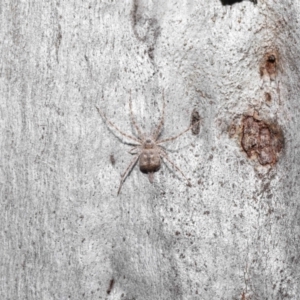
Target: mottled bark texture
64 232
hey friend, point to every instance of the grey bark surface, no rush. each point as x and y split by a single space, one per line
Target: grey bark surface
64 232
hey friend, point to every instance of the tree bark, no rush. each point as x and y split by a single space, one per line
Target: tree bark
65 234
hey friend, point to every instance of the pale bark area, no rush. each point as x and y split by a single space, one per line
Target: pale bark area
64 232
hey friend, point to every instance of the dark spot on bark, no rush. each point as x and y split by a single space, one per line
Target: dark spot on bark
268 98
112 159
151 52
206 212
134 12
261 140
177 232
269 65
58 41
111 286
271 58
195 117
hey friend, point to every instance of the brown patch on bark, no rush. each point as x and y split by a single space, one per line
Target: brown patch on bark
269 65
245 296
261 140
195 118
268 98
232 130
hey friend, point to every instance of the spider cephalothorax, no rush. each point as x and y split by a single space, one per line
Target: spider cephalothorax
147 149
148 143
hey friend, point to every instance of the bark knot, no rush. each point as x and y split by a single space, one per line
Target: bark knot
269 65
261 140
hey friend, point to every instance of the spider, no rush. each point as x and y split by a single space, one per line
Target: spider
147 148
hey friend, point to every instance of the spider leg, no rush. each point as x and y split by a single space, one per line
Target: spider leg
178 135
165 156
127 171
134 150
140 134
162 120
116 128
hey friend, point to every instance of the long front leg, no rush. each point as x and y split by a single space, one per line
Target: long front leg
178 135
116 128
165 156
127 171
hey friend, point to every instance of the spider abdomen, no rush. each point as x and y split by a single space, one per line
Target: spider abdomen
149 160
